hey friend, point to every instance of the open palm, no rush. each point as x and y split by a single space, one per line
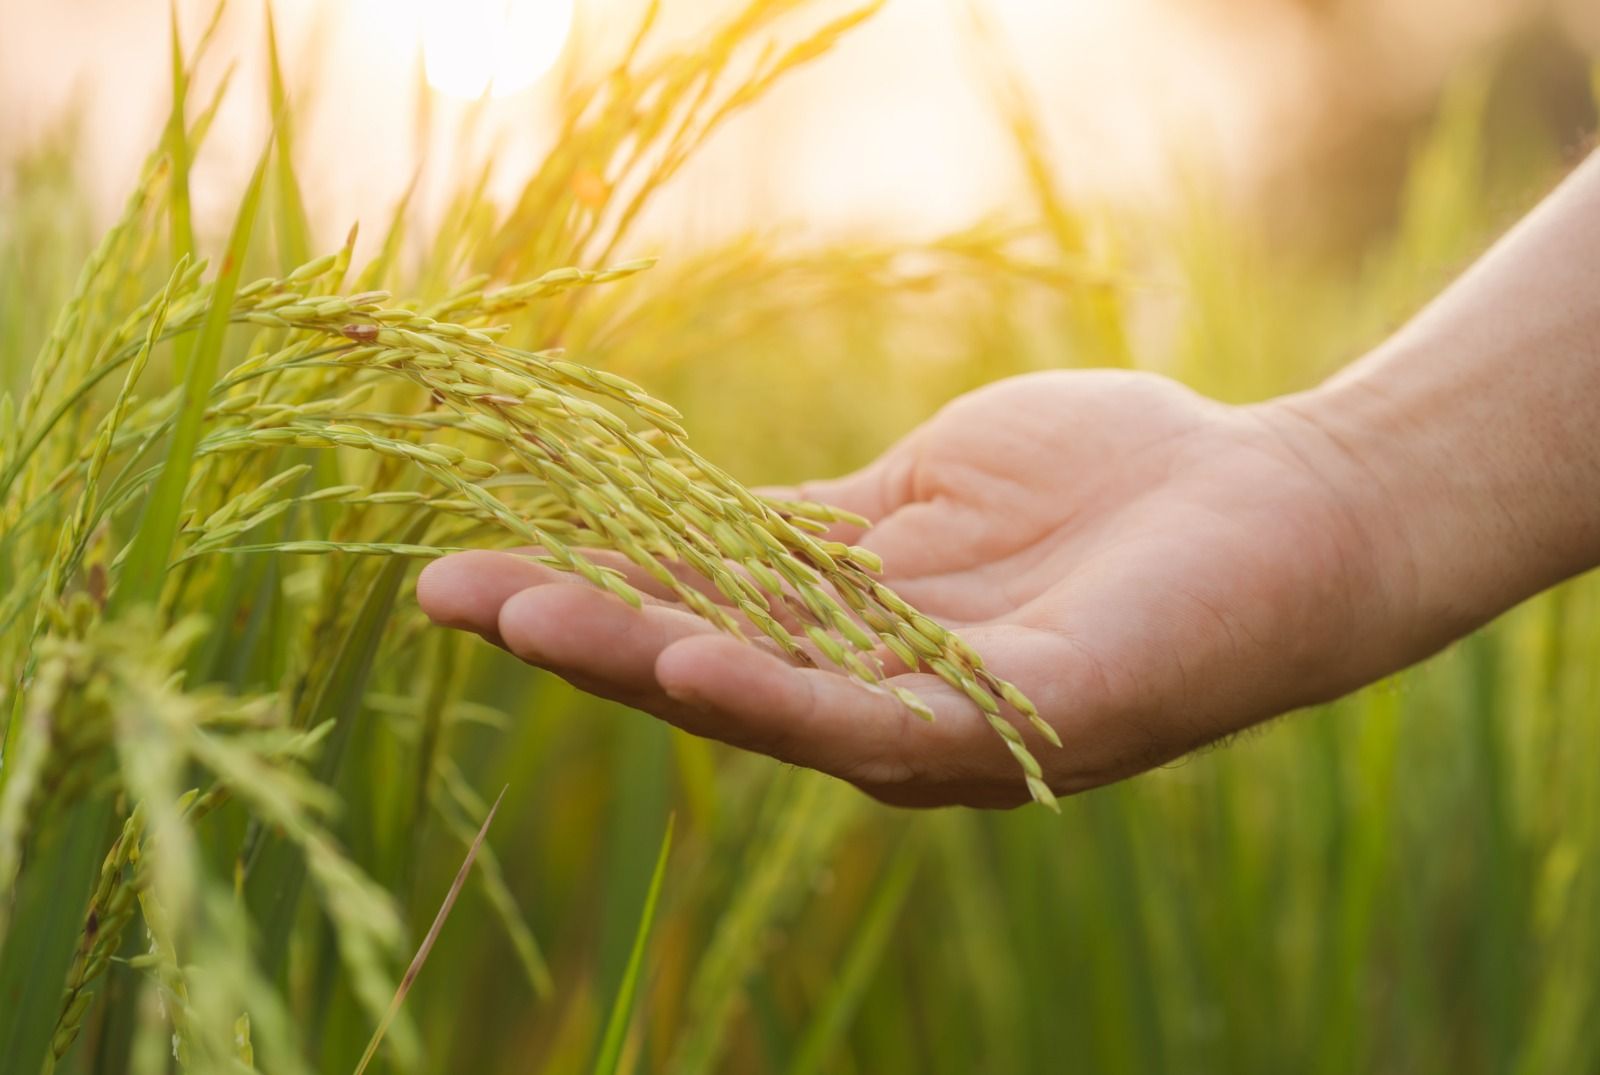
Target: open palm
1153 569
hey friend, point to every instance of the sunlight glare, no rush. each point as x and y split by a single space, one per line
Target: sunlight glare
502 46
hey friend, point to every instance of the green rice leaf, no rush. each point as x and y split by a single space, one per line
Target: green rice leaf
142 573
41 938
277 874
179 153
433 935
294 230
622 1007
832 1015
456 805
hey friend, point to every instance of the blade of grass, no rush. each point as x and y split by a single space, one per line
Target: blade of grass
139 581
433 934
294 231
1498 960
379 268
456 803
176 139
40 940
833 1015
1099 316
639 763
622 1007
276 870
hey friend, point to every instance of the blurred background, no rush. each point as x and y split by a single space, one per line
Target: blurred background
1300 110
1241 194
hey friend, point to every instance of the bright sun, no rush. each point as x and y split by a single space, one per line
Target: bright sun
502 46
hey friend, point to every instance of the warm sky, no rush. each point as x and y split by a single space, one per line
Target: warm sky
892 132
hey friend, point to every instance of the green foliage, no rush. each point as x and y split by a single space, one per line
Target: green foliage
622 1007
240 774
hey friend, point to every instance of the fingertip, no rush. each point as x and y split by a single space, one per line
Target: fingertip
537 623
435 590
697 670
594 638
466 589
753 699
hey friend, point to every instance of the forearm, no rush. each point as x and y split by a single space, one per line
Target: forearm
1471 439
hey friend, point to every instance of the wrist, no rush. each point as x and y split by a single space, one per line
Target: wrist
1331 431
1461 491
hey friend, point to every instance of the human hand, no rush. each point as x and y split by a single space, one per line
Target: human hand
1153 569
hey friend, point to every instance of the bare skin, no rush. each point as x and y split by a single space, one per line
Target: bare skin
1155 569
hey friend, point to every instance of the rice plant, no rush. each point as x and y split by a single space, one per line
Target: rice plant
155 674
241 777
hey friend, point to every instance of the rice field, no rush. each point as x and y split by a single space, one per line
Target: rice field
246 786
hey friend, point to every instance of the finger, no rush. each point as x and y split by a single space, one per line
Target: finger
970 750
821 720
1109 722
467 589
594 639
874 492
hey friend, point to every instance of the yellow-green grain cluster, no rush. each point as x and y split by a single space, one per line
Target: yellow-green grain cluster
212 489
553 454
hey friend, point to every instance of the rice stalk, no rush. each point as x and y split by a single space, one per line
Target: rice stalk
433 935
201 572
608 467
